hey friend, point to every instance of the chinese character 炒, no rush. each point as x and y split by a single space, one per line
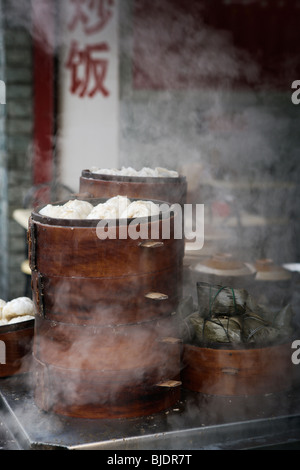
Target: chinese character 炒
93 15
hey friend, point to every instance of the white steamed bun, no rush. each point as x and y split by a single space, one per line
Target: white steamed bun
17 308
140 209
2 305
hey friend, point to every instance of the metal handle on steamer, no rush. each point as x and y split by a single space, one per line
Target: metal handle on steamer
156 296
169 384
151 244
230 371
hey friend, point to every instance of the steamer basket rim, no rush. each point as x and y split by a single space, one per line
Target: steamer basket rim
21 325
133 179
92 223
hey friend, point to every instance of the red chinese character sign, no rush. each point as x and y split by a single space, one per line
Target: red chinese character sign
89 89
86 63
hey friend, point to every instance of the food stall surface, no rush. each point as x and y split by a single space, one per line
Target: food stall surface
198 421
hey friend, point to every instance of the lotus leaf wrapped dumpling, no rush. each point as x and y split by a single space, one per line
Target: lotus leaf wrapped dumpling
257 330
216 330
227 315
252 307
220 300
283 318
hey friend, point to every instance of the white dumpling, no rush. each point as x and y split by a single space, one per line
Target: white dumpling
164 173
127 171
2 305
52 211
158 172
140 209
76 209
73 209
84 207
18 307
20 319
104 171
120 203
103 211
70 214
148 172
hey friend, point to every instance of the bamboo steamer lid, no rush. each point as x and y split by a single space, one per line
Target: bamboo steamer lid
223 264
267 270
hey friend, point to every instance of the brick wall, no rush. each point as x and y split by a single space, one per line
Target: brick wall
3 175
18 143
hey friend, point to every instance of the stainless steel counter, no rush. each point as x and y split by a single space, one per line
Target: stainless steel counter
198 422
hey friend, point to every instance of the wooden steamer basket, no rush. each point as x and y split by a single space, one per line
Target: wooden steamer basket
237 372
16 340
229 368
105 336
170 189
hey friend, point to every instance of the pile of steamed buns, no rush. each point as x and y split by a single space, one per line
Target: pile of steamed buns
17 310
118 207
157 172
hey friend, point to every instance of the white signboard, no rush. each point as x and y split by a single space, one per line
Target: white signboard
88 113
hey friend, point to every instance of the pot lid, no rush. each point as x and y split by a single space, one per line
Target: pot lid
267 270
223 264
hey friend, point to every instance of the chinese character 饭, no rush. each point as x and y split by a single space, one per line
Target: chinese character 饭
88 69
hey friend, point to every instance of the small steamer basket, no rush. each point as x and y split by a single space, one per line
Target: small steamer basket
236 372
16 348
172 190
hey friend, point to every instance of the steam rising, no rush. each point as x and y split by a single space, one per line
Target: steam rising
236 144
241 141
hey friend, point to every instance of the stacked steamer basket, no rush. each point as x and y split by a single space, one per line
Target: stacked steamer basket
172 189
105 334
